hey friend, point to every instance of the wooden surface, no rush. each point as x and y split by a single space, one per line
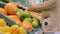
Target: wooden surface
55 19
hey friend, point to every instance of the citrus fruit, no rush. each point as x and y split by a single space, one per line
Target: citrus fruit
27 25
11 8
2 22
3 11
14 29
16 19
22 31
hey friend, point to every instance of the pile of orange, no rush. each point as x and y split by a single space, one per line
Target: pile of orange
10 10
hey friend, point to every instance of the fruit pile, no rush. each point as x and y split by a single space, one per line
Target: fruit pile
29 21
19 15
8 8
14 29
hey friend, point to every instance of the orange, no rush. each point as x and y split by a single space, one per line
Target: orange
3 11
15 18
11 8
27 25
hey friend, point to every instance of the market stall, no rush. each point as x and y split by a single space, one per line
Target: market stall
16 19
29 16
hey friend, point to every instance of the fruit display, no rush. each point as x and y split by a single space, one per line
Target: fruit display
16 20
14 29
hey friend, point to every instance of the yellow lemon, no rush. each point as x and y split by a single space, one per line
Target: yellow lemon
7 29
13 33
14 29
22 31
6 33
1 29
2 22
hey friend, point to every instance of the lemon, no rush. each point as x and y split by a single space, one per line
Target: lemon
6 33
22 31
1 29
13 33
14 29
7 29
1 32
2 22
